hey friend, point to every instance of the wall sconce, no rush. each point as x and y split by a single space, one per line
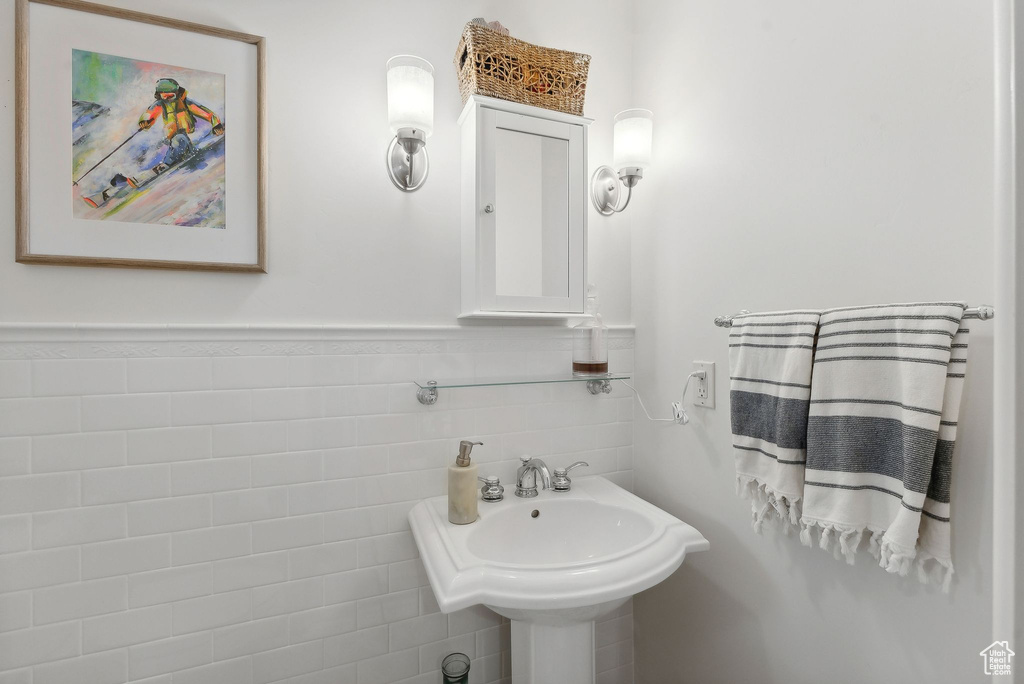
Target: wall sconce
411 116
631 154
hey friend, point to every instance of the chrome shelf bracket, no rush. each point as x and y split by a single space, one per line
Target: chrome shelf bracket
599 386
427 395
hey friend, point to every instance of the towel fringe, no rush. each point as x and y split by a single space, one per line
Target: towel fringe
766 504
848 543
841 540
896 559
874 544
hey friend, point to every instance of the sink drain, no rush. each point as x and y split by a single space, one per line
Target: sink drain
535 513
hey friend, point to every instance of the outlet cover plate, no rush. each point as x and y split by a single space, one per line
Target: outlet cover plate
705 393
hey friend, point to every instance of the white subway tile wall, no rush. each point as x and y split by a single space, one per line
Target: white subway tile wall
200 505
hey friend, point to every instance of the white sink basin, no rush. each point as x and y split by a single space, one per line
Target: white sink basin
552 564
565 531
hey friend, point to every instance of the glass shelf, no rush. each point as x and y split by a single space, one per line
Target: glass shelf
596 384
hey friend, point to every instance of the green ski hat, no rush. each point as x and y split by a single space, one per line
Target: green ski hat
166 85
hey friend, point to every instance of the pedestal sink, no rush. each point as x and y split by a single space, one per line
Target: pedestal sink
552 565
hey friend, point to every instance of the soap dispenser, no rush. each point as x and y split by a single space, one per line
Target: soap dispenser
462 486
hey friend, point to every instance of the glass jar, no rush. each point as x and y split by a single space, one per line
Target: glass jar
455 669
590 341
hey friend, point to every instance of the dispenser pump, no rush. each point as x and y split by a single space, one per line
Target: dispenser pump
465 449
462 491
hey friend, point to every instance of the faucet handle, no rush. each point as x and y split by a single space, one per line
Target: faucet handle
492 490
565 470
560 481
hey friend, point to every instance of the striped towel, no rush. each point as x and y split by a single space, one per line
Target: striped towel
770 358
884 405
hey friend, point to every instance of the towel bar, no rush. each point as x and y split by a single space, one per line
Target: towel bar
982 313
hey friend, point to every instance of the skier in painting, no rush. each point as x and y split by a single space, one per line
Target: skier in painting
179 116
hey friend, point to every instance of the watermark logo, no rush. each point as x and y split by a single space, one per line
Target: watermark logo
998 657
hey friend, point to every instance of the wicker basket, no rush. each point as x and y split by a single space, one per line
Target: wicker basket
492 64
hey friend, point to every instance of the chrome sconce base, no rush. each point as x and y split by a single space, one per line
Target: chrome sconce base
407 160
605 188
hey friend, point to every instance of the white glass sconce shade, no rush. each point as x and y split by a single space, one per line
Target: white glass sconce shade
410 94
634 131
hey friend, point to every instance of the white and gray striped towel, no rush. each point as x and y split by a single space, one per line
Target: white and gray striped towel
883 411
770 358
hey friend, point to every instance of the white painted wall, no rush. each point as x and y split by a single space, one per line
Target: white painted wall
344 245
807 154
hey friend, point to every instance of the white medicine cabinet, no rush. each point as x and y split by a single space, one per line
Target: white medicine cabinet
524 211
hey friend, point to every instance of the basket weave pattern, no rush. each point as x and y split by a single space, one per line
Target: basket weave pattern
495 65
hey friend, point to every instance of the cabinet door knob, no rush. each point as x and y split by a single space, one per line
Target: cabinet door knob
488 208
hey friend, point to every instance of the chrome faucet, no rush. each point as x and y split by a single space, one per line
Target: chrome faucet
526 477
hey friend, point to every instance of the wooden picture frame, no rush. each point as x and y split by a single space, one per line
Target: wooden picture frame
253 212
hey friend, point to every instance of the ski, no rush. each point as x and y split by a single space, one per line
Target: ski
118 188
121 185
144 178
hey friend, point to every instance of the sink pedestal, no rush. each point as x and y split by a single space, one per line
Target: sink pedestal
554 645
542 654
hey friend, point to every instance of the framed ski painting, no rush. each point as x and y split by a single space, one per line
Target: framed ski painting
140 141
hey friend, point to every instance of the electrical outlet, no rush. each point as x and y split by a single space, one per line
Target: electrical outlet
705 394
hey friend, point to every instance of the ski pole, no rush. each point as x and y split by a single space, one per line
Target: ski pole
137 131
